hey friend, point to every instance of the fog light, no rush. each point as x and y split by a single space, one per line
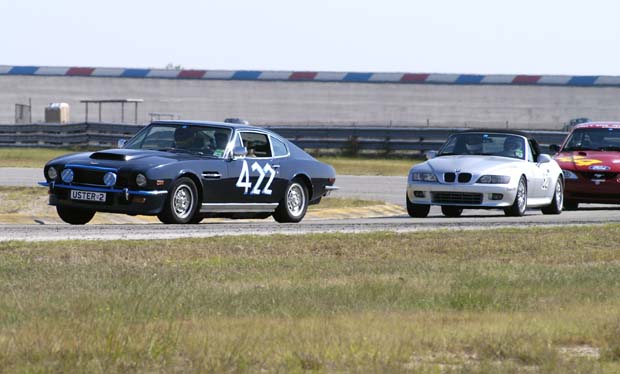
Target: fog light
67 175
109 179
139 199
418 193
497 196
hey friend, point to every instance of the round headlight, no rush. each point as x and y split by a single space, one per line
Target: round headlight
109 179
52 174
141 180
67 175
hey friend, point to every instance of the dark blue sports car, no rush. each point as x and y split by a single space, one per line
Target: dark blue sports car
184 171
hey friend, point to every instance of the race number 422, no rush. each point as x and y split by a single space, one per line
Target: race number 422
263 171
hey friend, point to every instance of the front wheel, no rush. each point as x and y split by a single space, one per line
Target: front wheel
518 207
451 211
417 210
557 203
294 205
182 203
74 216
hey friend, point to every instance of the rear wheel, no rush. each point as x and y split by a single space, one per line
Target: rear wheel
417 210
294 205
182 203
571 205
451 211
74 216
518 207
557 202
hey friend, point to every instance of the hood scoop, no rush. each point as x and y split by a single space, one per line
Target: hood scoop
109 156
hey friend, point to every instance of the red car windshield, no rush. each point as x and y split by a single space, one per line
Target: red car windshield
593 139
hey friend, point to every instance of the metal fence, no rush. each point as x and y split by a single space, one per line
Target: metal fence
348 139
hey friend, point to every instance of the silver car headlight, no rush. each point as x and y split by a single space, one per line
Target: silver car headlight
52 174
494 179
424 177
141 180
569 174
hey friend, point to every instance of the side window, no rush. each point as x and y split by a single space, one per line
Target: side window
279 148
257 144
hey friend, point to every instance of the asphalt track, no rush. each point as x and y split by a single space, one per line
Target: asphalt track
391 189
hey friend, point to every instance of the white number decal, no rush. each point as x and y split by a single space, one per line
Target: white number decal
244 178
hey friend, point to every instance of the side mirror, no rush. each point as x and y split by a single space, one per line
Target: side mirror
554 148
431 154
121 143
239 152
543 158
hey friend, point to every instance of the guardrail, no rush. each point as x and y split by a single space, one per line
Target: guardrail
349 139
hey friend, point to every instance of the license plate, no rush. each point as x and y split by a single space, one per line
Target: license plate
88 196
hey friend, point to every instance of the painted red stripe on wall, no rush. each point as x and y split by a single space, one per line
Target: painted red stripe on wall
303 76
410 77
191 74
80 71
526 79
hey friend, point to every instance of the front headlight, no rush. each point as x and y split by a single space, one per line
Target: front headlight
67 175
494 179
569 174
52 174
424 177
141 180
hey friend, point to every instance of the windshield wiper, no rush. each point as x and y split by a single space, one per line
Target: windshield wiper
174 150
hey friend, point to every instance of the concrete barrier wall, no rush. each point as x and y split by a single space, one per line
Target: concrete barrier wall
312 103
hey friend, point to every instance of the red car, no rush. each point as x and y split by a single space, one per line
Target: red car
590 159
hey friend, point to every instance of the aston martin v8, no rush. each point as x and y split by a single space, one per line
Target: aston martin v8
484 169
184 171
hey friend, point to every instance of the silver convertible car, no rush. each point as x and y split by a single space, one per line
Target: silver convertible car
484 169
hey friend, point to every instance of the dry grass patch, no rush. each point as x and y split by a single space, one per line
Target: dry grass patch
370 165
449 301
29 157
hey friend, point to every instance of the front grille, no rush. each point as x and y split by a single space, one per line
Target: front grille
464 177
469 198
84 176
451 177
598 175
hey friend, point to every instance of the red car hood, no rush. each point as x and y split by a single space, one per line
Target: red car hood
589 161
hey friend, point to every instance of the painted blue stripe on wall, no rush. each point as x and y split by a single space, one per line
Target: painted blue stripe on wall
469 79
24 70
357 77
135 73
583 80
246 75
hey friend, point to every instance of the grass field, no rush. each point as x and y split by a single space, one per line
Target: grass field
534 301
37 157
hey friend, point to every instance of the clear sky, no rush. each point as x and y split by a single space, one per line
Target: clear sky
468 36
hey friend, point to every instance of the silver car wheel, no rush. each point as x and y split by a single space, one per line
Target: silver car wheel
183 201
522 196
295 200
559 196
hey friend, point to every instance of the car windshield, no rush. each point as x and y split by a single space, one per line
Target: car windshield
593 139
198 140
487 144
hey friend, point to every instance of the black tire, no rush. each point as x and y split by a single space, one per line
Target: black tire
182 203
417 210
451 211
557 203
196 219
518 207
294 204
74 216
571 205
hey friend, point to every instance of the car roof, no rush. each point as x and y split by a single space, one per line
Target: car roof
209 123
598 125
498 131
